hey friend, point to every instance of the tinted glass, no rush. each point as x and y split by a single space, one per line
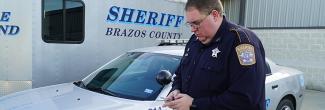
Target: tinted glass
63 22
133 75
74 21
53 20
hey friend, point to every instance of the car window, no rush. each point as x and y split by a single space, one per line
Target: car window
133 75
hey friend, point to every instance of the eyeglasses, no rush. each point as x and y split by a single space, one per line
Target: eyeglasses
196 24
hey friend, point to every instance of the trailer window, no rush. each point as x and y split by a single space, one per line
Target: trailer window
63 21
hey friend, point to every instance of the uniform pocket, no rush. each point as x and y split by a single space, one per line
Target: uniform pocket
212 66
215 76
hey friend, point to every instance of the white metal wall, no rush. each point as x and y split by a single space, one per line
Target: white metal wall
232 9
303 49
16 50
285 13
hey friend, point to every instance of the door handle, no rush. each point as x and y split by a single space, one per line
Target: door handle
275 86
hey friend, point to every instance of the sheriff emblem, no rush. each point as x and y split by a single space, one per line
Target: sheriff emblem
246 55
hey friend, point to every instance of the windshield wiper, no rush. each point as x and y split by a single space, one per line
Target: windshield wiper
102 91
99 90
108 92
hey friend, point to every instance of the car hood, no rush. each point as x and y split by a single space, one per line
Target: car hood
69 96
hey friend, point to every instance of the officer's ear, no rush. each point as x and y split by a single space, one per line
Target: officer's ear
216 15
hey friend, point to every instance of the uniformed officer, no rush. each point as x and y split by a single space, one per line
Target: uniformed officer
223 66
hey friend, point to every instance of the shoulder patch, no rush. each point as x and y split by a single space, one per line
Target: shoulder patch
246 54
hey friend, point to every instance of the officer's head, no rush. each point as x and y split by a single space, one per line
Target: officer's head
204 17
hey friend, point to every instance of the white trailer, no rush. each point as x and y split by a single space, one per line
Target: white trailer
45 42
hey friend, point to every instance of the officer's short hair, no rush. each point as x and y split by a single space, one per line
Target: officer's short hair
204 6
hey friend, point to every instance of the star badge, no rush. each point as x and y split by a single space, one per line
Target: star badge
215 52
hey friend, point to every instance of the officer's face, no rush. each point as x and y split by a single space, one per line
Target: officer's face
204 26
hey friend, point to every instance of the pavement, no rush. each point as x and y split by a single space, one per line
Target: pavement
313 100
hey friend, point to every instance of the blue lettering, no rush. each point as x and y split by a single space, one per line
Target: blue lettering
162 19
164 35
4 29
151 33
124 33
127 15
158 34
179 20
137 33
170 19
117 32
5 16
143 33
13 30
109 31
152 16
113 13
9 29
127 12
140 17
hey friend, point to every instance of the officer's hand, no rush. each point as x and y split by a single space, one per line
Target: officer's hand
181 102
172 95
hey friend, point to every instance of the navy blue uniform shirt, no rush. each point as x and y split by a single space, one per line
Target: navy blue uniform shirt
213 75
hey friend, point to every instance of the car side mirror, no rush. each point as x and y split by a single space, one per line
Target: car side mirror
164 77
79 84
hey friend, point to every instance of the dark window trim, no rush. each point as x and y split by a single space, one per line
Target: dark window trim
64 20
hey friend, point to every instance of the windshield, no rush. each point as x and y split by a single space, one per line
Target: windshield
132 75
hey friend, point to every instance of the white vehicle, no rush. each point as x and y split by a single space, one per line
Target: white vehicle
140 80
65 40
